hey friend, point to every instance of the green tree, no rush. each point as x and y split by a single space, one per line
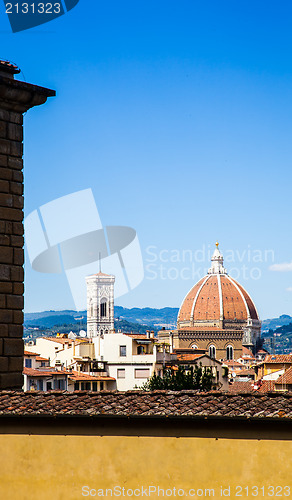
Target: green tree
185 377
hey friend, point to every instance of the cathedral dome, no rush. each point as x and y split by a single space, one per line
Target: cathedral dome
217 300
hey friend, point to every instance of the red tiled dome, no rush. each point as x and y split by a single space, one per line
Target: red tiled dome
216 297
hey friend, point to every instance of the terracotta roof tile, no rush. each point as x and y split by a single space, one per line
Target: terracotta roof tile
240 387
150 404
81 376
46 372
29 353
278 358
286 378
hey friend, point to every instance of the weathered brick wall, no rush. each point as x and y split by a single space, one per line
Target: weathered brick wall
15 98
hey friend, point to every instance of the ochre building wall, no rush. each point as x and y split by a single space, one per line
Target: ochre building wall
42 467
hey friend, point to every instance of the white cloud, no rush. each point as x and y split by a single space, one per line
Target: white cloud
289 289
284 267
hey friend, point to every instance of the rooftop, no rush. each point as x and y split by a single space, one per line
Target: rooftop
147 404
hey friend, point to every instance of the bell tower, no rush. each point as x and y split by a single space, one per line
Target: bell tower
100 304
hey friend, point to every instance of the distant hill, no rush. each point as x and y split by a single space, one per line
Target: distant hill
274 323
154 318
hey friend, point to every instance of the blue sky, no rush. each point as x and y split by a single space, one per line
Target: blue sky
178 115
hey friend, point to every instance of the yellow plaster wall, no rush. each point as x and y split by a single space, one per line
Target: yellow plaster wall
57 467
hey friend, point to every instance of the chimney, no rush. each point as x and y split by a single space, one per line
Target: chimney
148 334
16 98
152 334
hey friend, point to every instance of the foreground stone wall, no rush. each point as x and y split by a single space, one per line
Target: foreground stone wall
15 98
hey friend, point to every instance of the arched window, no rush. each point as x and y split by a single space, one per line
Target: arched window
103 308
229 352
212 351
90 308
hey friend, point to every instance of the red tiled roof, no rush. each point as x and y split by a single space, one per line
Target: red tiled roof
286 378
138 336
62 340
29 353
241 387
187 356
266 386
36 372
148 404
278 358
39 358
247 352
81 376
234 363
244 373
10 67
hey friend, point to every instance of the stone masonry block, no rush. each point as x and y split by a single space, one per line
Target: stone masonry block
18 288
15 163
16 148
2 302
18 256
4 330
13 380
17 241
6 200
16 188
17 175
13 347
15 331
5 273
14 301
5 147
15 364
16 273
4 186
6 173
6 316
17 317
3 129
18 228
4 240
17 201
11 214
6 287
4 364
15 117
3 160
6 255
14 132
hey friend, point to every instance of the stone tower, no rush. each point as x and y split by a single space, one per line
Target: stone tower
100 304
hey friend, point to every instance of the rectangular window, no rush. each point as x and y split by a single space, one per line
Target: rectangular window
121 373
82 386
76 386
94 386
88 386
49 386
40 385
28 363
61 384
123 350
101 386
142 372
